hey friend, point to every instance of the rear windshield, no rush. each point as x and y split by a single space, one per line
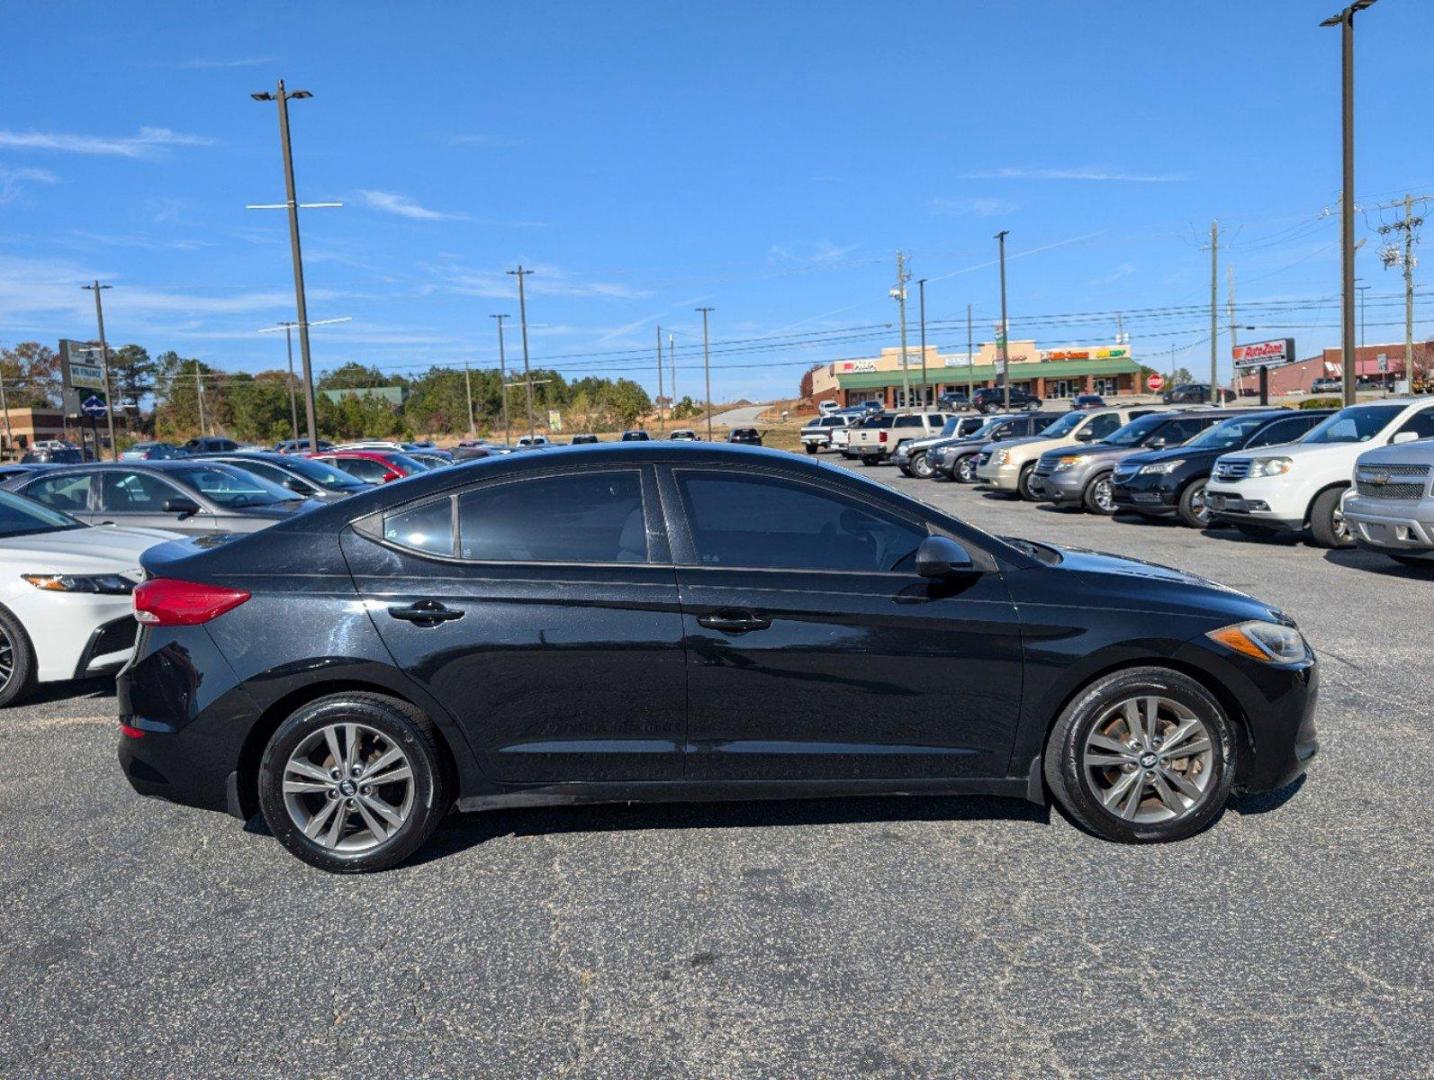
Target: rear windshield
879 422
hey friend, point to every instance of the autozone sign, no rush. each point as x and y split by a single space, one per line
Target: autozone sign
1264 353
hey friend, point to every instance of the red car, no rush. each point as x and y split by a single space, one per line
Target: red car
370 466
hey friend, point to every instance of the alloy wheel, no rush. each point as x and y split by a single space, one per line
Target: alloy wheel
1340 526
1199 507
920 467
7 659
1103 496
1149 759
348 787
966 469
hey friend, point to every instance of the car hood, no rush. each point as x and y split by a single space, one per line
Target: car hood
1174 453
1297 450
101 549
1420 452
1097 450
1018 441
1147 586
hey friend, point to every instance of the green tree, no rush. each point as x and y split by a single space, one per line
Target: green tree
685 408
176 397
437 403
356 376
32 375
131 374
259 406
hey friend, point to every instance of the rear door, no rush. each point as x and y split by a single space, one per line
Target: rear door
542 611
70 493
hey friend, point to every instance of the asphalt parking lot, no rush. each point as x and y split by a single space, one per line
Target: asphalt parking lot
883 937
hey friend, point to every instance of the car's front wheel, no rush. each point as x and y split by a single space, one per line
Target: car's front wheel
1192 508
1099 496
965 469
354 782
1327 523
1143 755
17 660
1023 482
920 467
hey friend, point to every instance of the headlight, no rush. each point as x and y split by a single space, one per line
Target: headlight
1269 643
1002 456
1271 466
1161 468
109 584
1070 461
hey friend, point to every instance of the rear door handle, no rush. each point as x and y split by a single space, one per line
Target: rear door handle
425 613
734 622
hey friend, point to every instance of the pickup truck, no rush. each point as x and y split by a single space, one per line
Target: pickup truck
878 438
1390 509
817 435
1285 488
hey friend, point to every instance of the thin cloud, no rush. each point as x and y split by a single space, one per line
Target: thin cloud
150 142
488 142
1090 172
205 64
546 281
975 206
392 203
13 182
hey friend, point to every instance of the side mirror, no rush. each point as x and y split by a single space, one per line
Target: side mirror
940 557
1085 435
1404 437
181 506
1157 443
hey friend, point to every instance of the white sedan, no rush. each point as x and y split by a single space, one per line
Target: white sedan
65 608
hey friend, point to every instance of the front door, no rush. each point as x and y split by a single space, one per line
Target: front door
815 651
543 613
137 499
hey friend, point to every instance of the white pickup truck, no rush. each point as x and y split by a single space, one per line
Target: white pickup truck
1285 488
878 438
817 435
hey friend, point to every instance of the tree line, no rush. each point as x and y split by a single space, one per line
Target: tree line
174 397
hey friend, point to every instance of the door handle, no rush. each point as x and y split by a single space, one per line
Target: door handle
425 613
734 622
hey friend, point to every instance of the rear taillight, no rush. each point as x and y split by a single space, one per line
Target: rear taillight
166 602
881 437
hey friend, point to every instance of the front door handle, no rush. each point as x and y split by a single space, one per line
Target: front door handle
425 613
734 622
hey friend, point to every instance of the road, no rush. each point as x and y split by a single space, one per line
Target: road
743 417
887 937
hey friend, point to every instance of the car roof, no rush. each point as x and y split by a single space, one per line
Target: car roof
153 465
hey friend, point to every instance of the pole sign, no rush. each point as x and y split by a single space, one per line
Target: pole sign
93 406
1260 354
1154 382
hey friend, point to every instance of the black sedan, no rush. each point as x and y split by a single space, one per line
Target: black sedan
303 476
746 436
1162 483
659 622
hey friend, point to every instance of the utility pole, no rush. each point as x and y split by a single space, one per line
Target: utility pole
5 408
707 366
1005 351
468 393
282 97
672 360
503 380
1214 307
199 396
1361 289
97 289
1172 363
899 293
921 289
1230 293
293 389
970 358
1391 256
520 274
661 424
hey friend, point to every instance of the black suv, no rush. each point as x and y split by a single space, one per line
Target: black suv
954 401
1159 483
210 444
1195 393
749 436
989 399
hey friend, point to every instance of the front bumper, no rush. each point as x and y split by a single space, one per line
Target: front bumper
1381 525
1061 486
1246 506
1147 494
1001 477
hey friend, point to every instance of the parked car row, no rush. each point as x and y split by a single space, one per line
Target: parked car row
1344 476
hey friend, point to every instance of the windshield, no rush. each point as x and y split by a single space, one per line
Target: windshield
409 465
1356 424
326 476
233 488
1227 433
1135 432
1065 425
20 516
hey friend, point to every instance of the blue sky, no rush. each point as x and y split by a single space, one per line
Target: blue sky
767 160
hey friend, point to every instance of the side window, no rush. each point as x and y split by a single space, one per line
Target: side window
1284 431
1103 425
908 421
365 469
1183 430
1421 423
581 517
424 528
68 493
134 493
765 521
1136 414
1008 430
263 470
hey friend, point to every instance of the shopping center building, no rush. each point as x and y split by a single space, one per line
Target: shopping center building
1047 373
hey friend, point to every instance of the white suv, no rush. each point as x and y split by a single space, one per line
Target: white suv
1390 509
1288 487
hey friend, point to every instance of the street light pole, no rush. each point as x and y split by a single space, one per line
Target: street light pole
707 366
1005 332
293 390
503 380
520 274
97 288
1345 21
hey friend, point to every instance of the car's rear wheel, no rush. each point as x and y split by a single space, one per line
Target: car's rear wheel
1192 508
1327 524
17 660
1023 482
811 447
965 469
1099 496
354 782
920 467
1143 755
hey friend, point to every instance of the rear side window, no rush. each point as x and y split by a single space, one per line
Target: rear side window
1284 431
135 493
583 517
1421 423
908 421
68 493
365 469
423 528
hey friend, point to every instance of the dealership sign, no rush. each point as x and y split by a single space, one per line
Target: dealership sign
77 368
1264 353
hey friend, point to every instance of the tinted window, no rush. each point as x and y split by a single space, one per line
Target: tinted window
1284 431
365 469
425 528
135 493
233 488
1421 423
69 493
21 517
1065 425
1102 426
1356 424
1179 431
764 521
587 517
908 421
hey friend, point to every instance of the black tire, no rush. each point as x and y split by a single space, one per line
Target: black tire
919 467
1327 525
1097 497
1023 482
405 727
1256 532
811 447
1072 786
15 648
1192 509
868 459
963 471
